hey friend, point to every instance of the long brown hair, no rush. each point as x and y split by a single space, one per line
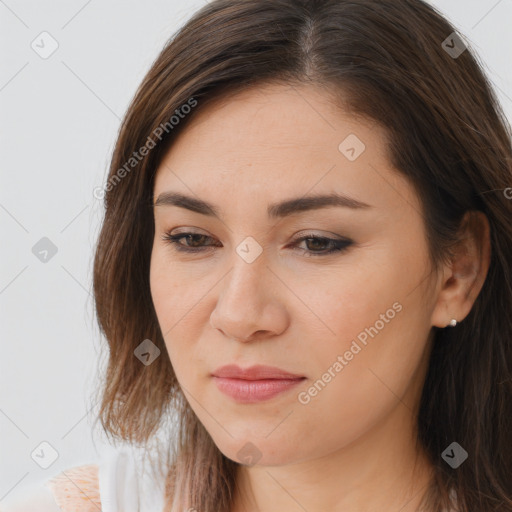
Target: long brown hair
399 64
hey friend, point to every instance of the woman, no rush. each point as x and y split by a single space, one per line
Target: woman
305 257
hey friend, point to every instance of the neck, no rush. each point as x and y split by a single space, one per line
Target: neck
379 471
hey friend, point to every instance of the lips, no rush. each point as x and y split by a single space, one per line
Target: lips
256 372
254 384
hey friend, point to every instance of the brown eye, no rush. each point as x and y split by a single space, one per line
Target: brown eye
315 245
329 245
194 241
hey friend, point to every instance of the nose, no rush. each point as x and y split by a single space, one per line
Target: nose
250 305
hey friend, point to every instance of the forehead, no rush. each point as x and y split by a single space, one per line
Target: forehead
275 118
276 141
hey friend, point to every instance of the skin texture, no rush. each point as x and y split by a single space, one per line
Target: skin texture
352 445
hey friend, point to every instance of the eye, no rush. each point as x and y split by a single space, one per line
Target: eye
193 237
331 245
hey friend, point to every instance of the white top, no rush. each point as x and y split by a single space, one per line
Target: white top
124 486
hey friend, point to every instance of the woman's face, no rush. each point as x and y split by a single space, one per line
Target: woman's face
353 323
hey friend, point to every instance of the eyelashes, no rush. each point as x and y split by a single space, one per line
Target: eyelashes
333 245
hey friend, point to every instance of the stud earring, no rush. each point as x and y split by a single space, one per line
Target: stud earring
453 322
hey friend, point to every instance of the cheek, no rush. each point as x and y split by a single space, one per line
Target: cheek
356 385
174 292
343 300
373 338
334 313
176 297
164 293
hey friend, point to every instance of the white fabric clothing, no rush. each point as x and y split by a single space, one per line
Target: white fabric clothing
124 486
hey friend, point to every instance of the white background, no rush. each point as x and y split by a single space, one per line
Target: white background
59 118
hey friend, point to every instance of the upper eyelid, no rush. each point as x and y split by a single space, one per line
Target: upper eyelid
340 244
301 237
302 234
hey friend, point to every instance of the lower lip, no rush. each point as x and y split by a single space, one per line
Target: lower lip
251 391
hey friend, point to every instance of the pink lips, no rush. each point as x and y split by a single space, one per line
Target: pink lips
254 384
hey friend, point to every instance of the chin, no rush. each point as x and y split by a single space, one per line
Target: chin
262 452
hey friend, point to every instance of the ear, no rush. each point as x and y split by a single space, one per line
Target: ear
463 277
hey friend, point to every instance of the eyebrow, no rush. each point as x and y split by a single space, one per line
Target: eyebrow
274 211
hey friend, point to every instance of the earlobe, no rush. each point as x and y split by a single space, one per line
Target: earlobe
465 275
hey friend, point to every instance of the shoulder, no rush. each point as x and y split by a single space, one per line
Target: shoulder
72 490
124 479
77 489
